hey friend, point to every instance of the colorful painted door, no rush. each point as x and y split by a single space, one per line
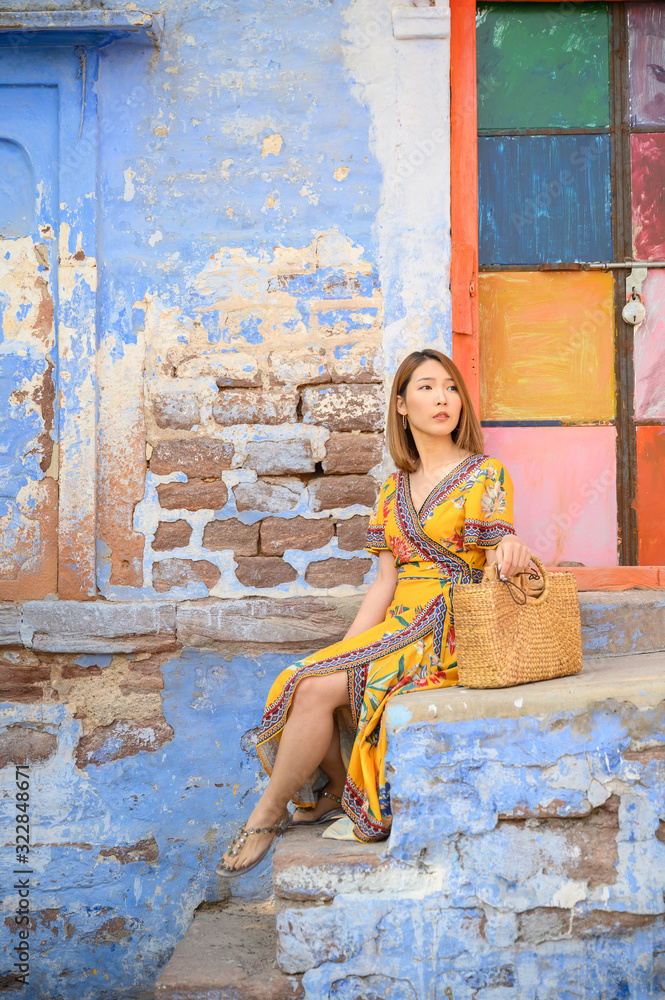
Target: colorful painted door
28 418
576 410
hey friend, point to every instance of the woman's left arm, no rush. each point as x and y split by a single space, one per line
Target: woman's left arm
512 554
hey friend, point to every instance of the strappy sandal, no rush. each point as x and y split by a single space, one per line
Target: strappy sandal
328 817
235 846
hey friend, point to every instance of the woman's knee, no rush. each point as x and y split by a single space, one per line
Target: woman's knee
327 691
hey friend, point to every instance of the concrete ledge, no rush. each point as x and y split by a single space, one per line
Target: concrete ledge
101 627
260 620
10 625
122 23
621 622
613 624
639 680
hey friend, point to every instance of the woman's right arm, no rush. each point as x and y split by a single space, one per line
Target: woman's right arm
378 598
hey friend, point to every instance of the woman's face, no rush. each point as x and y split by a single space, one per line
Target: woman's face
431 401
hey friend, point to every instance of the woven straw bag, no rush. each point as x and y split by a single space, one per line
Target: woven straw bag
503 639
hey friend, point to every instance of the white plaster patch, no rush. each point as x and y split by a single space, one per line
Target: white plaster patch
156 237
569 894
519 702
130 190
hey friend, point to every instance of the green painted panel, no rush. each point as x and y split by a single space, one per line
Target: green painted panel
542 65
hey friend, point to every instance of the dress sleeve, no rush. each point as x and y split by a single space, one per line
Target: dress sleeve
488 511
376 530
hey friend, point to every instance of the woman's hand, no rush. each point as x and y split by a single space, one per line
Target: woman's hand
512 555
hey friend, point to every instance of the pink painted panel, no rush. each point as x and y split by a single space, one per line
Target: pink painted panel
649 354
646 33
647 154
565 490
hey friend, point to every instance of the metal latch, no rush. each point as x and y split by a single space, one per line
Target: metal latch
633 312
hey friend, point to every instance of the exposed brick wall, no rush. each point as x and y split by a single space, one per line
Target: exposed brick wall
264 425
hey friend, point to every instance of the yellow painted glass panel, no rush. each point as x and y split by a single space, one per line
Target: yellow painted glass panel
547 346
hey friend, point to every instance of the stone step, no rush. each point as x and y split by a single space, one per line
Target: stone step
527 847
431 747
228 954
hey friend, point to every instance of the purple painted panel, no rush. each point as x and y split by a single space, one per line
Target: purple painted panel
647 153
565 489
649 355
646 30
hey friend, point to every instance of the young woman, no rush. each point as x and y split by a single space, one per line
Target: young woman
437 521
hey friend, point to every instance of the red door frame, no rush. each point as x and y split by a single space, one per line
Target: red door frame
464 255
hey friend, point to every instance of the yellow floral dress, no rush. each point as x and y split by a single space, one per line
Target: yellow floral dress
469 511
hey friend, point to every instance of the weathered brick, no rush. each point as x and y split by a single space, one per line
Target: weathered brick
272 495
330 492
356 368
542 923
229 370
306 366
198 458
178 410
122 738
352 453
278 458
24 681
352 534
252 619
10 624
264 571
22 743
281 533
599 922
169 573
99 626
143 850
172 535
193 495
242 539
142 675
333 572
344 407
254 406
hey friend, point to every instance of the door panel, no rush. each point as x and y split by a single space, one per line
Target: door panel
646 33
651 494
540 68
547 343
647 154
565 495
544 199
28 357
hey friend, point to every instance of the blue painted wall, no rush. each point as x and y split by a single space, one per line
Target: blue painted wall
106 923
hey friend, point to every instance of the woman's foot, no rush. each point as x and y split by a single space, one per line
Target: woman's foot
248 848
328 802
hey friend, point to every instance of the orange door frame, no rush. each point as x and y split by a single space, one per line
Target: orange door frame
464 256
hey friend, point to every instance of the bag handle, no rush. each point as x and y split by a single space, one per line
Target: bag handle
542 597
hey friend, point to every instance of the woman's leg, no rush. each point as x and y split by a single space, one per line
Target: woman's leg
333 765
305 741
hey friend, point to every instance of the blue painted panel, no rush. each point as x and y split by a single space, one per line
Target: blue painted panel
28 198
544 199
17 186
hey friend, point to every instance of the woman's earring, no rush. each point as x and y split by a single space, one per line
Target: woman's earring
404 421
